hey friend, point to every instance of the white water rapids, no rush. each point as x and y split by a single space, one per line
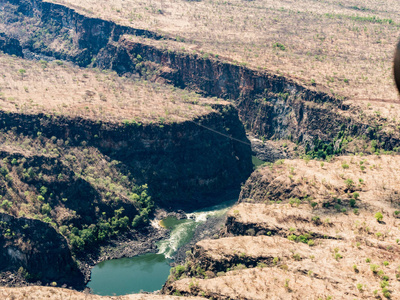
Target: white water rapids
182 230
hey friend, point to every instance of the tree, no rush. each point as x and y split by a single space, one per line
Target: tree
6 204
379 216
22 72
46 209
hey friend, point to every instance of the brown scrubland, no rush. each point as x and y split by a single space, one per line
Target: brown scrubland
345 47
324 228
305 229
36 292
59 89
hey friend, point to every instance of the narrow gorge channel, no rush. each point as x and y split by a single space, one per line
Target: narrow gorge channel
181 145
148 272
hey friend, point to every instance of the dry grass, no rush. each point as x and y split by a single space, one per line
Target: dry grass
386 114
248 246
54 88
300 271
261 284
313 272
375 178
351 255
347 47
36 292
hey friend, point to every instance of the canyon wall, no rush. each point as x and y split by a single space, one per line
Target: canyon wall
184 164
36 251
270 106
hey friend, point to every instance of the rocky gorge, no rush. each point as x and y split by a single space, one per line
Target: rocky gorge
184 163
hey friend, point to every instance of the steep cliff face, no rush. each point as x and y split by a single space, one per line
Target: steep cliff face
215 76
10 46
37 251
184 164
51 25
271 106
304 228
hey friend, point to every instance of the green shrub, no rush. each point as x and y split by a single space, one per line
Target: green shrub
279 46
338 256
43 190
384 284
296 257
386 293
178 271
316 219
46 209
202 272
349 183
260 265
76 242
63 229
6 204
379 216
374 268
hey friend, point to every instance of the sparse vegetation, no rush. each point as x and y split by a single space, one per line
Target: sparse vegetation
127 100
309 53
379 216
89 196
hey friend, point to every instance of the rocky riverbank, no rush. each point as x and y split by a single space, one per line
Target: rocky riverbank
304 228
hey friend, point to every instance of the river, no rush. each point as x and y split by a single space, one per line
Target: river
148 272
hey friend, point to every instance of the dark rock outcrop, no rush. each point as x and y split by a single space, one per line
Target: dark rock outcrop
270 106
36 250
10 46
184 164
266 151
82 36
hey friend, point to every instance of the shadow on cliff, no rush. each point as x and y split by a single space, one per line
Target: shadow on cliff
36 251
185 165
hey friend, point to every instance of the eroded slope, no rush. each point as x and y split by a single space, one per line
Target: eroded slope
345 47
305 229
92 154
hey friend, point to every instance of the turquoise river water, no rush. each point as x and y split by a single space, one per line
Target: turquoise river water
148 272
